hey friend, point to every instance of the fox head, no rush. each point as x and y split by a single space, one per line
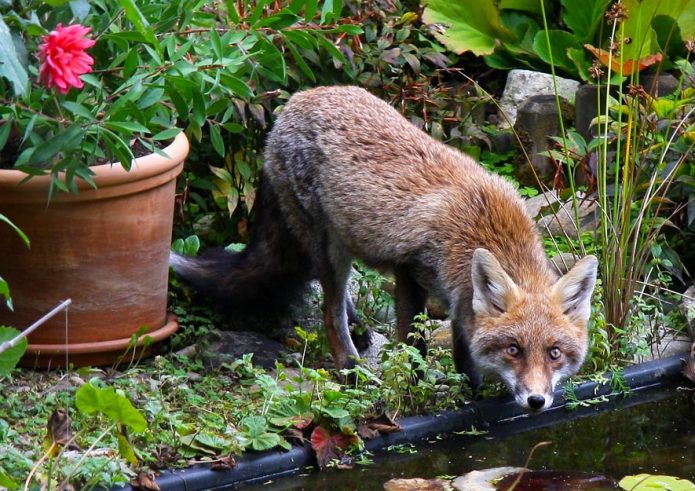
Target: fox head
530 339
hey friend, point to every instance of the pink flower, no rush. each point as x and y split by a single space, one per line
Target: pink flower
63 57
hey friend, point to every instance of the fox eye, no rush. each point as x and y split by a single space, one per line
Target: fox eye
513 350
555 353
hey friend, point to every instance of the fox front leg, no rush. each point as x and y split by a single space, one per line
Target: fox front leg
463 359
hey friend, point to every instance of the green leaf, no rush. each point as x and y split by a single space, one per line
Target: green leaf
6 482
331 10
216 44
254 433
299 60
638 26
140 23
125 450
5 292
530 6
216 139
648 482
80 9
45 151
191 245
23 236
10 357
90 399
271 62
335 412
560 42
584 17
126 127
470 26
78 109
11 67
166 134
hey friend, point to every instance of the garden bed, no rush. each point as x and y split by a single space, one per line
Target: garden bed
590 397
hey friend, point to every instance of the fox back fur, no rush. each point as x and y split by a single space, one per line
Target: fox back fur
347 176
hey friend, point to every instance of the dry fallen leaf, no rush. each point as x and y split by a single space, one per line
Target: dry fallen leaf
145 480
58 428
629 66
223 464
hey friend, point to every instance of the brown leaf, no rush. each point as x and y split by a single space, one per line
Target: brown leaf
145 480
329 446
294 435
166 455
365 432
418 484
373 427
628 66
58 427
223 464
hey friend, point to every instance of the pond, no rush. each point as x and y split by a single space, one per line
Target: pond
653 432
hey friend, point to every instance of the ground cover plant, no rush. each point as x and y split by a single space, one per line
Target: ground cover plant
221 70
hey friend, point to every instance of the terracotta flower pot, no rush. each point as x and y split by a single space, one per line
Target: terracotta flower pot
105 248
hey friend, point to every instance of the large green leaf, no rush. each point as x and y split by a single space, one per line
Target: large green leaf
530 6
10 66
648 482
21 234
140 22
560 43
9 358
584 17
90 399
524 29
641 14
469 26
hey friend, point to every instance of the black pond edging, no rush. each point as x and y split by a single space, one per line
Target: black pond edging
262 466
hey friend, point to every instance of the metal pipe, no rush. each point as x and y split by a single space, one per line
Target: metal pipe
13 342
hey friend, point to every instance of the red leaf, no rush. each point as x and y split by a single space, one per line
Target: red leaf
629 66
329 446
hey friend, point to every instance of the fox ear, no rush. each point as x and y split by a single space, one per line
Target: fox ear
573 291
493 289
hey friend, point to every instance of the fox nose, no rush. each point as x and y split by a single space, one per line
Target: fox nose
535 401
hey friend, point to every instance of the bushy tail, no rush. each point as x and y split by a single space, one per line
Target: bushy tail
268 275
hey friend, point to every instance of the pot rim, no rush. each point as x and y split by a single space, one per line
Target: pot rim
107 177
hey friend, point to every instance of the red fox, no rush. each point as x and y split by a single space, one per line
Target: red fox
346 176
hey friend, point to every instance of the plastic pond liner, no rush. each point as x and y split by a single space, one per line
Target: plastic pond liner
649 383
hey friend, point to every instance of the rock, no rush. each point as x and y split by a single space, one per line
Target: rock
538 202
441 336
523 84
563 262
587 101
372 355
562 221
660 84
226 346
537 120
669 345
688 309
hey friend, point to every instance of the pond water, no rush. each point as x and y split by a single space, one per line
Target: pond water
654 437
